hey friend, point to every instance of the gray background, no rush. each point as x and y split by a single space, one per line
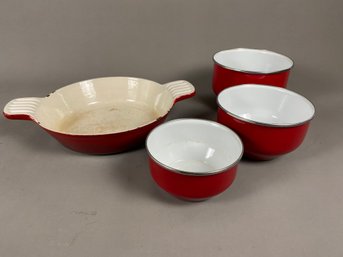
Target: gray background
55 202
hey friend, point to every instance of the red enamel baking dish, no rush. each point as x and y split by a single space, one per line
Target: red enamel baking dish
103 115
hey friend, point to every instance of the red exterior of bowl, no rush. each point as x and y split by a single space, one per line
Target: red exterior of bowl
191 187
225 77
264 142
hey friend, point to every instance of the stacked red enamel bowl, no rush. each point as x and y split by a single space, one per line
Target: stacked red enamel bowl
271 121
244 66
193 159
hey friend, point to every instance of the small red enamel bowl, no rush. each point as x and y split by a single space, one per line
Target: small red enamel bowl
244 66
271 121
103 115
193 159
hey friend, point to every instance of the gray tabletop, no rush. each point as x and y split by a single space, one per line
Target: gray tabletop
56 202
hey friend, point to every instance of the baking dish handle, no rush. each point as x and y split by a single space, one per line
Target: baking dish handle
180 89
22 108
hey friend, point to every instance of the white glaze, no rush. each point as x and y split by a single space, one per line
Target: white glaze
23 106
266 104
253 60
194 146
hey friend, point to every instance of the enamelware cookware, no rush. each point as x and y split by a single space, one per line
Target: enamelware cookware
244 66
193 159
103 115
271 121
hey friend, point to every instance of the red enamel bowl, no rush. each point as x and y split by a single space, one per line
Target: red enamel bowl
271 121
244 66
103 115
193 159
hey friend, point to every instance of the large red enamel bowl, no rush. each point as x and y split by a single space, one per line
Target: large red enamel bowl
271 121
244 66
193 159
103 115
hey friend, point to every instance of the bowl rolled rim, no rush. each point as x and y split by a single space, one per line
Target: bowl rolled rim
266 124
254 50
191 173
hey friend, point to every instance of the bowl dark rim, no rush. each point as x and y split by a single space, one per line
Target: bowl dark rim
253 72
190 173
265 124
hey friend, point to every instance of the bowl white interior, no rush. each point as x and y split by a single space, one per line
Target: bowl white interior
101 101
253 60
266 104
194 146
